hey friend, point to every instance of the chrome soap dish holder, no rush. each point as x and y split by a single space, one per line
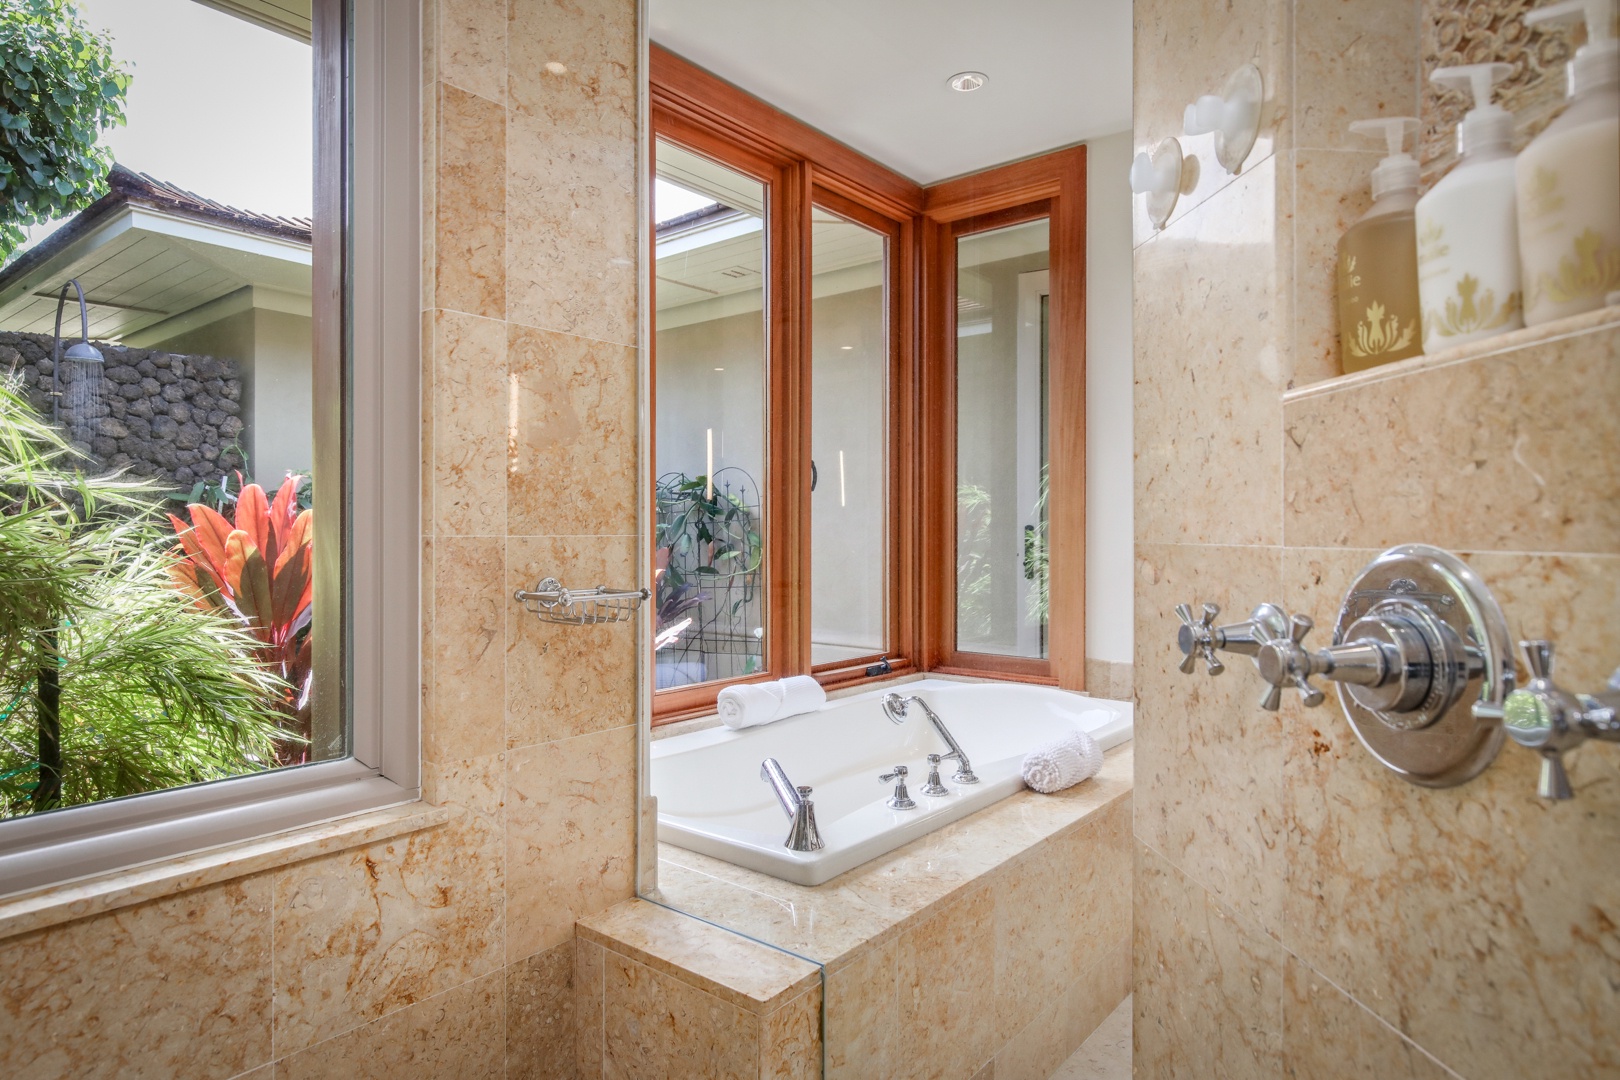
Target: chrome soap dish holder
551 602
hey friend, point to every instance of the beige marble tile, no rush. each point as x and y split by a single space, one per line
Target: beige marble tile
263 1072
570 835
595 41
1207 987
1099 678
469 425
571 254
1331 190
735 969
947 984
571 435
429 475
1059 912
470 227
1209 781
178 986
790 1039
1505 452
1353 60
562 680
1473 919
863 1017
1106 1053
1211 340
589 958
364 933
1327 1034
458 1033
654 1025
471 46
1182 52
1066 1020
986 1073
541 1029
468 667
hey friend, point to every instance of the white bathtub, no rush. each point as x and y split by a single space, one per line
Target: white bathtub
711 798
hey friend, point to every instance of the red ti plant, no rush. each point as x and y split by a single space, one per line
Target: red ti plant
259 568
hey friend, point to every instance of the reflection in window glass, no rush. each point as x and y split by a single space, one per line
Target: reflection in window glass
1002 299
156 563
848 433
710 427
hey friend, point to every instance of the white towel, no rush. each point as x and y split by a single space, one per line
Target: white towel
1062 764
753 704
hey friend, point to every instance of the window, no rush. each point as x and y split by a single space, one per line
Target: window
781 379
238 344
869 428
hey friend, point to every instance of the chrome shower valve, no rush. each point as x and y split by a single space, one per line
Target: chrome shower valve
1418 639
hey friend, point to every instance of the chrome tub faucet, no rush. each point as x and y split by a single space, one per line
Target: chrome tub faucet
802 833
896 707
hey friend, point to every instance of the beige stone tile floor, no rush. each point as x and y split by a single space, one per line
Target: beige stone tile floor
1106 1055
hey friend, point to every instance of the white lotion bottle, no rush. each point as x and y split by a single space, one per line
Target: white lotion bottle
1569 179
1467 224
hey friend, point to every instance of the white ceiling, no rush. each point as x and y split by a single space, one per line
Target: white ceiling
872 73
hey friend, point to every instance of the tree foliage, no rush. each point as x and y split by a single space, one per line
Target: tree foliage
154 692
60 88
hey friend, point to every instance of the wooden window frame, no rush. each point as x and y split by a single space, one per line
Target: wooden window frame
701 113
1052 186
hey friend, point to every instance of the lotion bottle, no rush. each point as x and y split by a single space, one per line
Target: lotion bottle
1569 178
1378 277
1467 224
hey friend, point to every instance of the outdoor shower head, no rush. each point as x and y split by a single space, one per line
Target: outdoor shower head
87 390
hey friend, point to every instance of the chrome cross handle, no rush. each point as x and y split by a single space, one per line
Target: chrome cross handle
1201 638
1544 717
1285 661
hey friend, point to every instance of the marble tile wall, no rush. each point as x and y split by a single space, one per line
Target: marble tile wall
447 952
1300 911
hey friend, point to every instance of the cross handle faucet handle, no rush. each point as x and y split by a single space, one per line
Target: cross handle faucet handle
1286 662
1196 638
901 799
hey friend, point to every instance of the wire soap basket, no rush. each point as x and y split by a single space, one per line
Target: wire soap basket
580 607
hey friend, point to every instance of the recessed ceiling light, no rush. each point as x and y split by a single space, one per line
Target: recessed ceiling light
719 369
555 68
846 348
966 81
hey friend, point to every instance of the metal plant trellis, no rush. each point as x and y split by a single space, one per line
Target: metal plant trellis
710 556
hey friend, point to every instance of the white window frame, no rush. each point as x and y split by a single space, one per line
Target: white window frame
368 307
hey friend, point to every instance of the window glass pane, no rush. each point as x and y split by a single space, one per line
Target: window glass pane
1001 440
710 426
848 438
140 650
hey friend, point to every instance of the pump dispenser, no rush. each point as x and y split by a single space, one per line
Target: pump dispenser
1378 276
1467 225
1569 178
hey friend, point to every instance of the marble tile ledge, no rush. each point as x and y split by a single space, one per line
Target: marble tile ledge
108 892
745 973
836 922
1586 323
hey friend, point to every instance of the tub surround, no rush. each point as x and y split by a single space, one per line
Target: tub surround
1000 941
1297 906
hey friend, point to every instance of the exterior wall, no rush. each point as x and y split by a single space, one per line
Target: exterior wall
1300 910
448 952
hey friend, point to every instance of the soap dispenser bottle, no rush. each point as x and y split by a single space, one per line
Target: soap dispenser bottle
1378 276
1569 178
1467 224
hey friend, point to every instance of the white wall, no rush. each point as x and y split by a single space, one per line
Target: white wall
1110 553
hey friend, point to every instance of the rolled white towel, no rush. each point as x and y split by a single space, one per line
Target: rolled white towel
800 694
1062 764
753 704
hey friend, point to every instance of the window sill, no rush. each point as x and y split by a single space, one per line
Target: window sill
109 892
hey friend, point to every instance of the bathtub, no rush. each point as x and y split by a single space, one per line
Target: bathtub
711 798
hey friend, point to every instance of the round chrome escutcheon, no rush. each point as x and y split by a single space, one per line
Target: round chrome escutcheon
1435 598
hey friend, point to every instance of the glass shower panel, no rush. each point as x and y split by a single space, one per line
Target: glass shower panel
849 361
710 424
1002 334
